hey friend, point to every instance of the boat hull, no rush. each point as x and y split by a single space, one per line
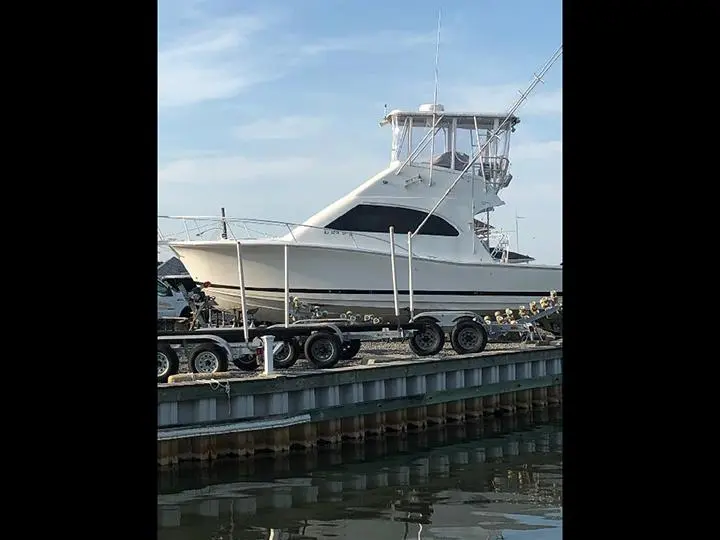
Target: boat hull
340 279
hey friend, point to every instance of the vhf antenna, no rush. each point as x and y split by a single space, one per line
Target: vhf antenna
435 93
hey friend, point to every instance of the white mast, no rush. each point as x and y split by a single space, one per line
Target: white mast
435 93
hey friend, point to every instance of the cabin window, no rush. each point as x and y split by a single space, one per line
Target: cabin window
163 290
378 219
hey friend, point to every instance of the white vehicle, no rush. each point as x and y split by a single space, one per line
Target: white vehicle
171 302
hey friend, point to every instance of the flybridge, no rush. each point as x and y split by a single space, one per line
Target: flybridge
450 140
464 120
501 129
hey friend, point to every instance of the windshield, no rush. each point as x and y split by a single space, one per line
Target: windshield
162 288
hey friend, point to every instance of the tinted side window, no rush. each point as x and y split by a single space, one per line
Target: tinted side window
162 290
378 219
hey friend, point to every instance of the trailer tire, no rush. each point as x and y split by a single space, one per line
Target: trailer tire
287 355
349 349
168 362
468 337
429 340
246 362
208 358
323 349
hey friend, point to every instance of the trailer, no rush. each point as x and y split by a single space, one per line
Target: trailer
210 350
326 342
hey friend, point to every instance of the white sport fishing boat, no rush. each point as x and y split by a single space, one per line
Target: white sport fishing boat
340 258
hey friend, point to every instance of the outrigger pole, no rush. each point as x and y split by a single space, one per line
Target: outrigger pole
537 78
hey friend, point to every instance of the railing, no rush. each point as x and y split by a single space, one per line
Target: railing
502 246
491 169
199 228
286 282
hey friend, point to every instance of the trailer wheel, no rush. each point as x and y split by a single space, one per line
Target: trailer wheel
208 358
168 363
246 362
323 349
287 355
429 340
468 337
349 349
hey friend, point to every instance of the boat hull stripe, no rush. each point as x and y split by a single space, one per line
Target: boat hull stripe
419 292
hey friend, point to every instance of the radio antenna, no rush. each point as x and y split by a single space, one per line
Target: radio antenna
435 94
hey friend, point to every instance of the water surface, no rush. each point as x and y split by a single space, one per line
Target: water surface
499 478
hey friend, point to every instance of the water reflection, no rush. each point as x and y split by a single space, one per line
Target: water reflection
498 477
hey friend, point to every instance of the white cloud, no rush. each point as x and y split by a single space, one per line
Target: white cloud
537 165
286 127
230 169
381 42
502 98
188 84
225 56
297 186
547 150
211 63
544 102
536 194
182 9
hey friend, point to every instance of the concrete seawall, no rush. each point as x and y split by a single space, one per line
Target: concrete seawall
208 419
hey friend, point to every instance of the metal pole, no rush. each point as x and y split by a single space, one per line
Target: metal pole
287 287
224 224
432 142
268 354
241 277
394 276
410 273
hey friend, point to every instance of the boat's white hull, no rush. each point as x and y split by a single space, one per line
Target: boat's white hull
341 279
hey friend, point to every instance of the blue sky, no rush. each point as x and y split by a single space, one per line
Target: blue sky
270 108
